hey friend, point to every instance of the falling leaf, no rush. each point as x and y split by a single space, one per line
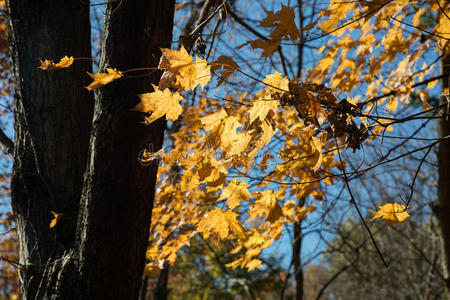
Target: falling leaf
48 65
236 191
188 74
267 204
160 103
392 213
56 218
220 223
101 79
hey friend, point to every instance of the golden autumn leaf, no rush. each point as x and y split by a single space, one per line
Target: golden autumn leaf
56 218
220 223
210 170
187 73
261 108
276 83
266 203
284 23
49 65
101 79
392 213
160 103
236 191
315 142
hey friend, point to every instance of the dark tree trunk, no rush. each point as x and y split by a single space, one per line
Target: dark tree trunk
297 261
53 114
444 171
58 137
161 291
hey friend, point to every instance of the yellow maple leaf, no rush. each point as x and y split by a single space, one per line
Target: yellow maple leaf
315 142
261 108
236 191
276 83
48 65
212 171
266 203
160 103
188 74
392 213
57 217
284 23
101 79
220 223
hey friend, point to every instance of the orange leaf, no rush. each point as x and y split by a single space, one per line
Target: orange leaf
101 79
56 218
160 103
392 213
49 65
187 73
179 5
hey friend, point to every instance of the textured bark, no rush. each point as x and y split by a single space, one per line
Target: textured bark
118 192
97 250
444 171
53 114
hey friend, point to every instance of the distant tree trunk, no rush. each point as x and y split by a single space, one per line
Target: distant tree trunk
298 234
60 134
161 291
297 260
444 170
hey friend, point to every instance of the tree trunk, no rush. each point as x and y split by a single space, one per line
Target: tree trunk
444 169
297 260
53 114
103 254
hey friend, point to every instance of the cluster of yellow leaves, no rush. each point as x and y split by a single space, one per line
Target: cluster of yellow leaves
392 213
204 196
367 43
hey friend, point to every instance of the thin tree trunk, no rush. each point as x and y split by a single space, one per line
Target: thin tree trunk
298 234
53 114
444 171
297 260
161 291
103 254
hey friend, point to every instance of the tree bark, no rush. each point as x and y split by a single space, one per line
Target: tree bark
118 191
444 169
59 135
52 114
